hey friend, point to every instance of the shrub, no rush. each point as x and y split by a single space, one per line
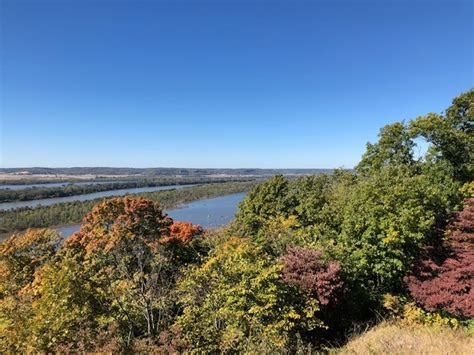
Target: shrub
443 279
306 269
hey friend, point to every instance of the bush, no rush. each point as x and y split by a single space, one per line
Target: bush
306 269
443 280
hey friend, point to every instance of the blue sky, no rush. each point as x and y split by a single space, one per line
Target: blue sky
269 84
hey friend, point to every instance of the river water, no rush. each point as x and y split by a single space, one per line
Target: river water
209 213
85 197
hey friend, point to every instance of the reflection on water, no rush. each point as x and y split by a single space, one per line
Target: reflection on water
209 213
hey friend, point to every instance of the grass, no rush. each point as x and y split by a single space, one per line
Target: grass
396 338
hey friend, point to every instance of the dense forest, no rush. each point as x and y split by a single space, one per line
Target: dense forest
304 262
36 193
73 212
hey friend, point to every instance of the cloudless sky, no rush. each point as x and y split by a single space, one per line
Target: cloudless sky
269 84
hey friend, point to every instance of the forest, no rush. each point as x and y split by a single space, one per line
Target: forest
36 193
304 263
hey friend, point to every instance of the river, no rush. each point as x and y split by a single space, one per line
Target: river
86 197
209 213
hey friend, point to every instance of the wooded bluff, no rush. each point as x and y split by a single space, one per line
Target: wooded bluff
303 263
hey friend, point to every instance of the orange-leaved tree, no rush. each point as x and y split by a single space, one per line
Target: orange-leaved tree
125 249
183 232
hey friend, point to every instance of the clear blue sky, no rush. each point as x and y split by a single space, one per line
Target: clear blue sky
222 83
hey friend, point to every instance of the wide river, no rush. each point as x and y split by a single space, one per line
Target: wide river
85 197
209 213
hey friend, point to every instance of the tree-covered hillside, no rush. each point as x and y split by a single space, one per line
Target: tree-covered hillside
305 261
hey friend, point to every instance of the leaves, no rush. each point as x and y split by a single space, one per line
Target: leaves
308 270
21 257
443 280
238 297
315 252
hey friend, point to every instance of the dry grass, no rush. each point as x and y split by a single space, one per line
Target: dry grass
389 338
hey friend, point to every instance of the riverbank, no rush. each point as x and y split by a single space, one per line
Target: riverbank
84 197
73 212
209 213
14 193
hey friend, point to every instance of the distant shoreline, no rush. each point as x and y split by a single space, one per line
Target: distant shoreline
9 175
18 220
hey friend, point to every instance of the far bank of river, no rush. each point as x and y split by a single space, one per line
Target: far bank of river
208 213
86 197
57 184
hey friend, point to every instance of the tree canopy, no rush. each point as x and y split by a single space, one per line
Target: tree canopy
305 260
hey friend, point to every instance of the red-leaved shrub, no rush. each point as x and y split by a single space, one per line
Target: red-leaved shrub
446 282
306 269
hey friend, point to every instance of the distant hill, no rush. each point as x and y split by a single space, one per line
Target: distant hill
160 171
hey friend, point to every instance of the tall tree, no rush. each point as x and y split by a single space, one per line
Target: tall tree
451 136
126 251
264 202
394 147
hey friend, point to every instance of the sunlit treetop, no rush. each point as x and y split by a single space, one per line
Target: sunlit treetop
121 219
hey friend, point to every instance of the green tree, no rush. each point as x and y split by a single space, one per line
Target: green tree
450 136
237 300
386 219
394 147
264 202
65 314
310 196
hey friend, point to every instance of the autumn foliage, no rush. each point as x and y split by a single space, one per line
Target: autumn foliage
116 220
306 260
125 246
306 269
114 276
183 232
21 257
22 254
446 281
